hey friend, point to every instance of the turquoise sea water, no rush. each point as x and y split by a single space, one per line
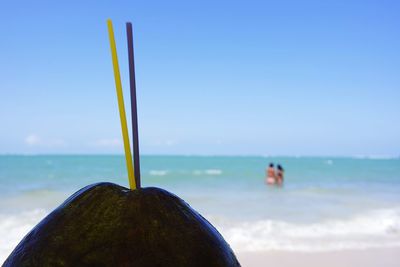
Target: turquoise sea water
325 203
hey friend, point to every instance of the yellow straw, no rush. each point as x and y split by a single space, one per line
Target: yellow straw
121 106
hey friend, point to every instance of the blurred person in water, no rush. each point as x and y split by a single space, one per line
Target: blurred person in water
279 175
270 174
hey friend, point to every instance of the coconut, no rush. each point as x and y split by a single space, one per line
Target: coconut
106 224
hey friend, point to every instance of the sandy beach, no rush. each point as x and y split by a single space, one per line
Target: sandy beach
382 257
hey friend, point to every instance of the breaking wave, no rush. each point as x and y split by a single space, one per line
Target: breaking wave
374 229
158 172
208 172
13 227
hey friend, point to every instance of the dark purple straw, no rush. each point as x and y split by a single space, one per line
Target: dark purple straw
132 79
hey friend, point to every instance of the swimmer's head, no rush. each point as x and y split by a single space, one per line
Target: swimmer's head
271 165
279 167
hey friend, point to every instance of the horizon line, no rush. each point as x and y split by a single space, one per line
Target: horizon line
356 156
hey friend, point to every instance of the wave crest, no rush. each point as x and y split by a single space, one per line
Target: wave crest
158 172
13 227
375 229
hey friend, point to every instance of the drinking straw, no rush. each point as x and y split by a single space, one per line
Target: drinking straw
132 80
121 106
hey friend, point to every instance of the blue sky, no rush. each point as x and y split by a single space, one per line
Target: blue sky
213 77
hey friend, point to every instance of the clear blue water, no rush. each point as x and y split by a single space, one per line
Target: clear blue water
325 203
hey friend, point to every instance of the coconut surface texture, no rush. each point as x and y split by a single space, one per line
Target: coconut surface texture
106 224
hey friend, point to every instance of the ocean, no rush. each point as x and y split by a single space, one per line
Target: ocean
326 203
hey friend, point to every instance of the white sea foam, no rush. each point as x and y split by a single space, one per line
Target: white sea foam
158 172
13 227
208 172
382 157
375 229
213 172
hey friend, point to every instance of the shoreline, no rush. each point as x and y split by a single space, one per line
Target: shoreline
372 257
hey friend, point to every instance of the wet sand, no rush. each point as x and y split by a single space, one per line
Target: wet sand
382 257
